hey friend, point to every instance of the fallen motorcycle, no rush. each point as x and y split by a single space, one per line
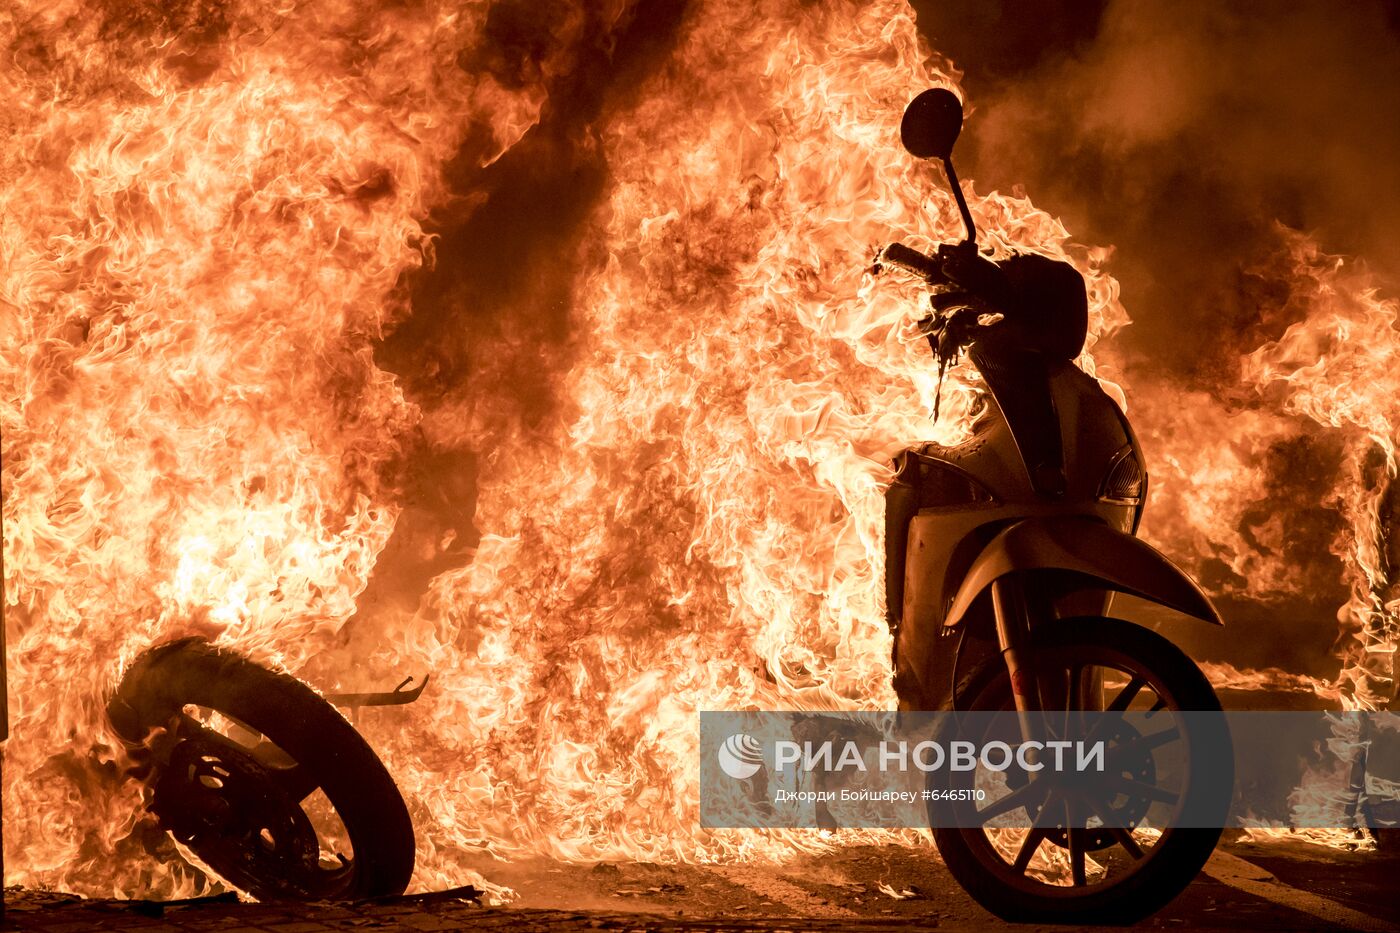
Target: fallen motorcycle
1003 557
261 777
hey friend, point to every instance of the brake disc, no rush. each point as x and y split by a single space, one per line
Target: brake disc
1123 810
230 810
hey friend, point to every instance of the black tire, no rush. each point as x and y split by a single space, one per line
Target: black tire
1180 853
165 679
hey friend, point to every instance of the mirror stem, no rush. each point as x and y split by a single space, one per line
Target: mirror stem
962 201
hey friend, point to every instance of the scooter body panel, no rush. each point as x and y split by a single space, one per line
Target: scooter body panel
959 517
1089 550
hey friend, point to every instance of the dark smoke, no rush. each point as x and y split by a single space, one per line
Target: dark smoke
1180 133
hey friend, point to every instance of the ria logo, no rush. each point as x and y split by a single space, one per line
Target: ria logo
740 756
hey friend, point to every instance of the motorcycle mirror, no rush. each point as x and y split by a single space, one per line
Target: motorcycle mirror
931 124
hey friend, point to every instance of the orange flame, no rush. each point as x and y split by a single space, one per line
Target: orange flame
201 242
1338 367
198 263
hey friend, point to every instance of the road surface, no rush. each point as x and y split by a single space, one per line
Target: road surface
1287 885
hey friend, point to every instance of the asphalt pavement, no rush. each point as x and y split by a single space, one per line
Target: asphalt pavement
1288 884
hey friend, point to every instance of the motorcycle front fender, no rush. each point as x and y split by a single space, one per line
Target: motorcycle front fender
1086 547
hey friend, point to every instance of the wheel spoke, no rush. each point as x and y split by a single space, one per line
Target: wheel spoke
1075 834
1076 857
1074 699
1126 840
1139 745
1127 694
1034 837
1120 703
1026 797
1122 834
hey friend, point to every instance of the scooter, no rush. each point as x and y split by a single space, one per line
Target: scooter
1005 556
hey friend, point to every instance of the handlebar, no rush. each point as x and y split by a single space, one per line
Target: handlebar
911 260
959 265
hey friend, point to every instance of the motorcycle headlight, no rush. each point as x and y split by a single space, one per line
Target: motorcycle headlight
1125 480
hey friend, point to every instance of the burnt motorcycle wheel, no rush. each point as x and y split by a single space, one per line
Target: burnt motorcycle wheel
1089 872
260 777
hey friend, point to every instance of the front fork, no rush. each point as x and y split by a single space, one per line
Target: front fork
1012 608
1013 622
1036 690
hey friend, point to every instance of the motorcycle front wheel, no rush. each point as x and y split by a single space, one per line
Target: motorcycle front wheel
1086 870
260 777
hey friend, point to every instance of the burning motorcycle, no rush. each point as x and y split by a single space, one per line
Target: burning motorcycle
1004 557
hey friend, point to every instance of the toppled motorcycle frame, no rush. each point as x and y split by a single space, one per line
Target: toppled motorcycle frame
261 777
1002 557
